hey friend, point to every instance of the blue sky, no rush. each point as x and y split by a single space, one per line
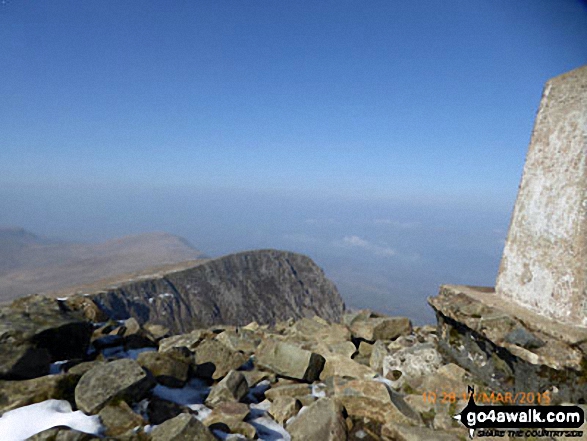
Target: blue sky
254 115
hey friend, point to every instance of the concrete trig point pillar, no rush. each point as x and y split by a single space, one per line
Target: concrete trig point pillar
530 332
544 263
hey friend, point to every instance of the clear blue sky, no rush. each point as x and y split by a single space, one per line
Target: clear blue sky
385 139
377 98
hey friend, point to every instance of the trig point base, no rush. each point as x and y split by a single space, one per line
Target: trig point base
529 334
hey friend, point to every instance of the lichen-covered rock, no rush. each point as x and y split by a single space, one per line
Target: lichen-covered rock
123 379
289 360
32 332
119 418
263 286
14 394
215 360
168 370
184 427
341 366
283 408
190 340
233 387
381 328
373 400
288 390
410 363
322 420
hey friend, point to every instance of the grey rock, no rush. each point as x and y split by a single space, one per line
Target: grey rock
322 420
214 359
62 434
233 387
381 328
168 370
124 379
184 427
119 418
265 286
32 332
289 360
283 408
14 394
410 363
522 337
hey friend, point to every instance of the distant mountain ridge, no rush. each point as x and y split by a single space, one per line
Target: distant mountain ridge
33 264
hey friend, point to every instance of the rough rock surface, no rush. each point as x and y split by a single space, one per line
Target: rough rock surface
32 332
289 360
118 379
264 286
182 427
323 420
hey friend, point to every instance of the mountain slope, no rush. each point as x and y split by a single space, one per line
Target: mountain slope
262 285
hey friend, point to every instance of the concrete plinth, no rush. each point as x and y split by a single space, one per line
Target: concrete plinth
544 263
529 335
510 348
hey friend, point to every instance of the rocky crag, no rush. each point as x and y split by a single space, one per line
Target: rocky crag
368 377
265 286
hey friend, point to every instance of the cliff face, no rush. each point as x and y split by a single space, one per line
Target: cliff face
264 286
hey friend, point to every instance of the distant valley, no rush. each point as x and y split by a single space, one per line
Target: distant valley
33 264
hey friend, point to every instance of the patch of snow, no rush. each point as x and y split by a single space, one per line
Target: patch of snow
151 299
57 367
319 390
62 299
384 381
24 422
360 434
269 430
166 294
202 410
194 392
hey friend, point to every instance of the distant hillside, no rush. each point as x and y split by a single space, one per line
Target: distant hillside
32 264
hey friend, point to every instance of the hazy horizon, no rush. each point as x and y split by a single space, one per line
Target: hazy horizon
385 140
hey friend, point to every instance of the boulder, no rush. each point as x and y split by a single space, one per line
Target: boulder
378 353
381 328
373 400
283 408
14 394
289 360
215 360
124 379
341 366
289 390
233 387
230 415
240 339
189 341
322 420
167 370
410 363
32 332
62 434
160 410
182 427
119 418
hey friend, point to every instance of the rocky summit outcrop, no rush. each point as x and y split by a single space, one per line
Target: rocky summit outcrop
309 379
36 331
265 286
